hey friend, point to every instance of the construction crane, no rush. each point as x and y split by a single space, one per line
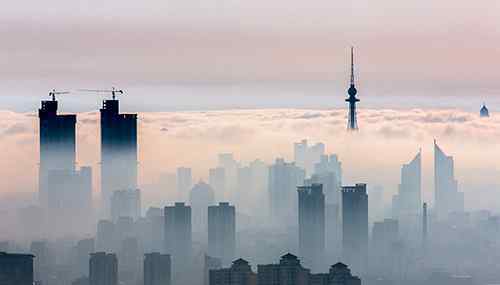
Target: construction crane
53 93
113 91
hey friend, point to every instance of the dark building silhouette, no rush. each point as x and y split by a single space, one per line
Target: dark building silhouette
16 269
355 226
222 232
352 123
118 150
157 269
57 144
312 225
103 269
240 273
178 234
339 274
484 112
289 271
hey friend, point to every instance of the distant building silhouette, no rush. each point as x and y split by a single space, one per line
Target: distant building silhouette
425 222
43 262
355 226
230 166
283 178
201 197
240 273
126 203
118 150
288 271
70 200
222 232
306 156
312 225
82 251
103 269
105 236
217 180
352 123
484 112
16 269
184 182
407 202
448 199
57 144
178 234
157 269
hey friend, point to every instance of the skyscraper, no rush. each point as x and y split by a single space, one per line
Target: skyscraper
312 225
484 112
178 233
448 199
201 197
103 269
82 251
118 150
16 269
222 232
352 123
57 144
217 179
283 179
355 226
157 269
408 200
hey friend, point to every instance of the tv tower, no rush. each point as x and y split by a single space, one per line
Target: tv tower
352 123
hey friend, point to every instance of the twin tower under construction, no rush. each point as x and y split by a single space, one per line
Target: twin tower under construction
58 155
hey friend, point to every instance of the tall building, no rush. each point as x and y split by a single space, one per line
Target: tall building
103 269
16 269
355 226
105 236
306 156
222 232
283 180
178 233
126 203
210 263
157 269
289 271
352 123
118 150
57 144
201 197
408 199
312 225
184 182
240 273
43 265
230 166
448 199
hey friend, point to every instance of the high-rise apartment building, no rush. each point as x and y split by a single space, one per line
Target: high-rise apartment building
222 232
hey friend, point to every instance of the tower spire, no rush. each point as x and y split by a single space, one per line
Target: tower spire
352 66
352 123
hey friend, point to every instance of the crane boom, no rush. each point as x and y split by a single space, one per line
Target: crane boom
113 91
53 93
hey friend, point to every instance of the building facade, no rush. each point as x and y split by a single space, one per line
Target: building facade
157 269
222 232
103 269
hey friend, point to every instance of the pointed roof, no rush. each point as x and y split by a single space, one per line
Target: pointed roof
339 265
289 256
240 261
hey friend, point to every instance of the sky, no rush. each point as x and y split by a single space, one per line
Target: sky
221 54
